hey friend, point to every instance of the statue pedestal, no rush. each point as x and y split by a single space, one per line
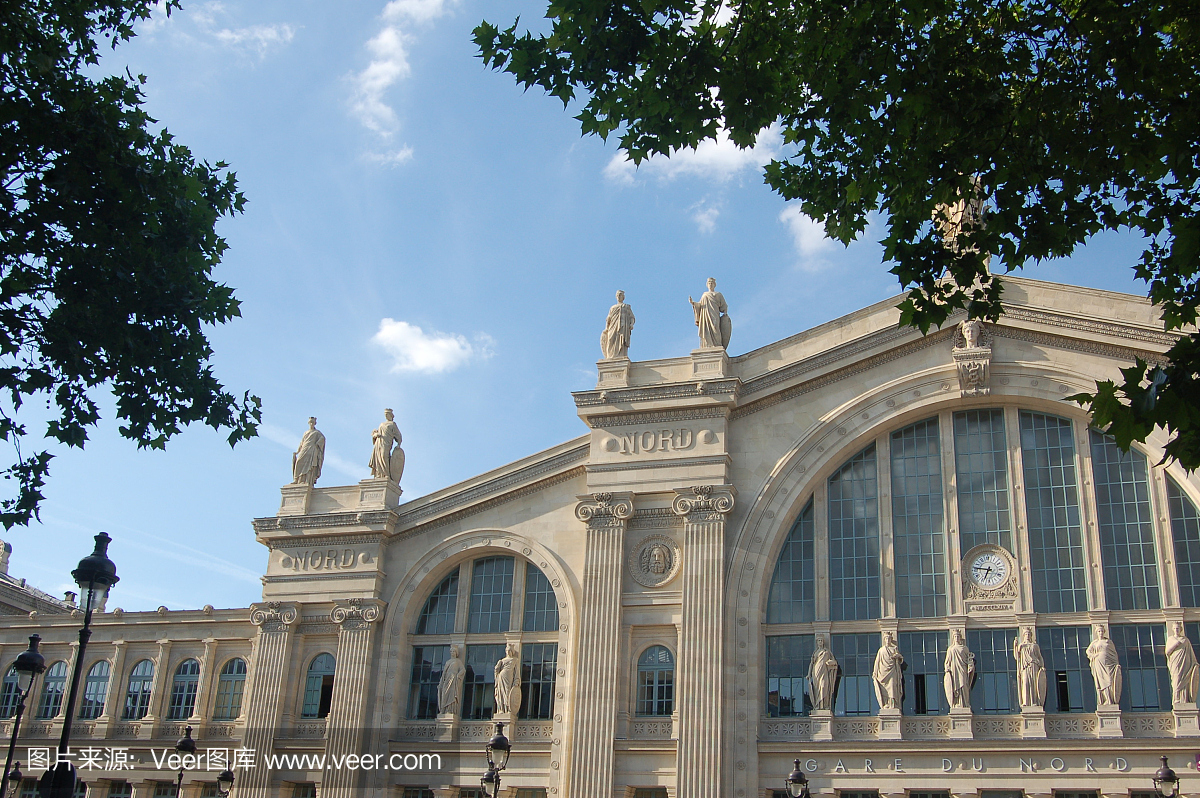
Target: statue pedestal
889 724
295 499
961 723
1187 720
614 373
1108 721
711 361
378 494
509 719
1033 723
447 727
822 724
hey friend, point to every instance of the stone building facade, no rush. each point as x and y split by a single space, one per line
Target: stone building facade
665 579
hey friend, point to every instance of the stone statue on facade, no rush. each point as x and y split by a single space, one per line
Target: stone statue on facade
614 341
962 215
712 318
822 676
1031 670
1106 668
888 678
451 683
959 672
386 462
1181 662
508 681
308 459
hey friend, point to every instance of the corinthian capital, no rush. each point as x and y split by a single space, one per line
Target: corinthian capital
605 509
273 616
356 612
711 499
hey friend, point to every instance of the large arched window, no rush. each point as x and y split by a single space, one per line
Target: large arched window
1185 532
53 685
854 539
10 693
137 694
318 687
656 682
230 685
792 598
95 691
183 690
1126 526
500 594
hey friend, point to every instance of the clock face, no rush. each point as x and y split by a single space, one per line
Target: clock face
989 570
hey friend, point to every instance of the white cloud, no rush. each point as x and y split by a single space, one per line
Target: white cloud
204 22
390 158
714 159
706 218
414 350
259 38
808 237
414 10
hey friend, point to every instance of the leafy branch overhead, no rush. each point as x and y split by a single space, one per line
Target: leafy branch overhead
1071 118
107 245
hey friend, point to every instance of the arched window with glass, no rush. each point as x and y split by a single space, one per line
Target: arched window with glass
95 691
10 693
318 687
183 690
230 685
655 682
54 684
138 691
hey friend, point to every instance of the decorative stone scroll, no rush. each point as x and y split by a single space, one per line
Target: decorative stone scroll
605 509
973 358
273 616
355 613
654 560
702 502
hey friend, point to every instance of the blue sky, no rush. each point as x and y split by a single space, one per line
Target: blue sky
422 235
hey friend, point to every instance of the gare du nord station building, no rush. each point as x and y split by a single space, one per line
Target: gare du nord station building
665 579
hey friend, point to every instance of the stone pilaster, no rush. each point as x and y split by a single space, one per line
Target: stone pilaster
351 688
116 690
272 653
699 673
595 710
203 682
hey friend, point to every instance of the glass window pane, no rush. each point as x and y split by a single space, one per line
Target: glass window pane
541 605
788 659
1069 685
1141 650
230 686
437 616
995 688
318 687
981 475
480 682
10 694
137 695
426 675
54 683
491 595
95 690
854 539
918 533
1185 530
183 690
924 657
1126 526
855 654
792 597
656 682
538 663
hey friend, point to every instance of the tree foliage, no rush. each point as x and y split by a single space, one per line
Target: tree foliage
1070 116
107 245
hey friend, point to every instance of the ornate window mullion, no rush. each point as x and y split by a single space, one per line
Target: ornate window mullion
1097 600
950 520
887 553
1164 538
1016 498
821 551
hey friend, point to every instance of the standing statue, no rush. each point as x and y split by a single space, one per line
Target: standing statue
614 341
1031 670
387 463
1106 668
450 685
822 675
959 672
508 681
712 318
888 678
308 459
1181 662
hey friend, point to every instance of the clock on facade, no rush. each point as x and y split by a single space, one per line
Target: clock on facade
989 570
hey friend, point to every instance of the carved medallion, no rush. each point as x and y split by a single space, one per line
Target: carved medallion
654 561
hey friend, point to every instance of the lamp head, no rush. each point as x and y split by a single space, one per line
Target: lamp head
498 748
225 782
186 744
1165 781
797 784
29 663
96 574
15 775
490 782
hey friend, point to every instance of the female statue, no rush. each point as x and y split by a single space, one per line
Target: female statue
1031 671
822 674
1181 662
508 681
450 685
888 678
1106 668
960 671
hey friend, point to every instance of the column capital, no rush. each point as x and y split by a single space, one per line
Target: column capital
605 509
357 613
274 616
714 499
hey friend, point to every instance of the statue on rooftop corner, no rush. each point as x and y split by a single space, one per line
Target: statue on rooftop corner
614 341
712 318
887 675
1106 668
822 676
1181 662
508 681
450 685
308 459
386 462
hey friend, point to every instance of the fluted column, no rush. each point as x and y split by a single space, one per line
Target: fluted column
595 708
272 651
203 681
699 672
351 685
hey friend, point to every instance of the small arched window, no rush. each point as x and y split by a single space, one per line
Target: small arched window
137 695
52 690
95 690
318 689
229 690
656 682
541 605
183 690
10 694
437 617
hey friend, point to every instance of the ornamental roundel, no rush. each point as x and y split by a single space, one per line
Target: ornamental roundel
654 561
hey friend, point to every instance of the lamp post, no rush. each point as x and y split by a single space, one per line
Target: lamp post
497 751
225 783
796 783
185 747
28 665
16 775
94 575
1166 783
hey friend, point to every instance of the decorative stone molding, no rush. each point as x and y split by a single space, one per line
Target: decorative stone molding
273 616
654 560
355 613
605 509
726 388
703 502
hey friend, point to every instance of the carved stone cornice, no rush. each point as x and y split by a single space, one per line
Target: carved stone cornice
274 616
357 613
605 509
703 502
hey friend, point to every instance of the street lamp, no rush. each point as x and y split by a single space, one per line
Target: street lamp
15 775
497 747
225 783
94 575
796 784
1166 783
28 665
185 747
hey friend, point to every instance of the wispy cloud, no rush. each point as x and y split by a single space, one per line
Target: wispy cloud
414 350
705 217
210 22
808 237
259 38
714 159
390 158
